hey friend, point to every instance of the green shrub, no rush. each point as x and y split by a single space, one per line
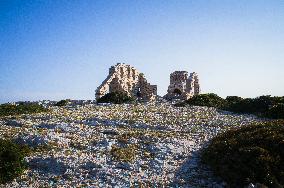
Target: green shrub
12 162
62 103
265 106
232 100
253 153
180 104
210 100
241 106
125 154
116 98
10 109
275 112
250 105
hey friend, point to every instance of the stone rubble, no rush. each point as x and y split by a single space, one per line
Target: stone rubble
150 144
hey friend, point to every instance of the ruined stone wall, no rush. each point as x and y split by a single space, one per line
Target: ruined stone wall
193 84
182 86
124 78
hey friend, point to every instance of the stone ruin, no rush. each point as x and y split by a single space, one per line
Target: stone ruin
182 86
126 79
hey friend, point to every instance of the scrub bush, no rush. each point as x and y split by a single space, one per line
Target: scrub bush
62 103
210 100
116 98
275 112
22 108
253 153
12 162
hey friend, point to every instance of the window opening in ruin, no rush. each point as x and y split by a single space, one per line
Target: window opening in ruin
177 92
121 71
129 72
138 94
129 86
133 74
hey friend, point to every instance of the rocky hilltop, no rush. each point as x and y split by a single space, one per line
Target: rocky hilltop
90 145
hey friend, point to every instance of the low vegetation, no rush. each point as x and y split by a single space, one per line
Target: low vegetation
263 106
210 100
125 154
116 98
62 103
252 153
275 112
260 104
22 108
12 162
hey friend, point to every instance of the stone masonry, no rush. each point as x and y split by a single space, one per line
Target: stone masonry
125 78
182 86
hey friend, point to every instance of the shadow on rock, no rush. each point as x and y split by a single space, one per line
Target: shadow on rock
64 127
192 173
48 166
14 123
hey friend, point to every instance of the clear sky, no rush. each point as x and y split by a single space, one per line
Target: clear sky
52 49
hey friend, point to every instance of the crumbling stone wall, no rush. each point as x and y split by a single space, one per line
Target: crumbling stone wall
182 86
124 78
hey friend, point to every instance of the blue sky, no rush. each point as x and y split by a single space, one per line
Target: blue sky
63 49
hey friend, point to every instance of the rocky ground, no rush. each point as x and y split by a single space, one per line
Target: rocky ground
137 145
